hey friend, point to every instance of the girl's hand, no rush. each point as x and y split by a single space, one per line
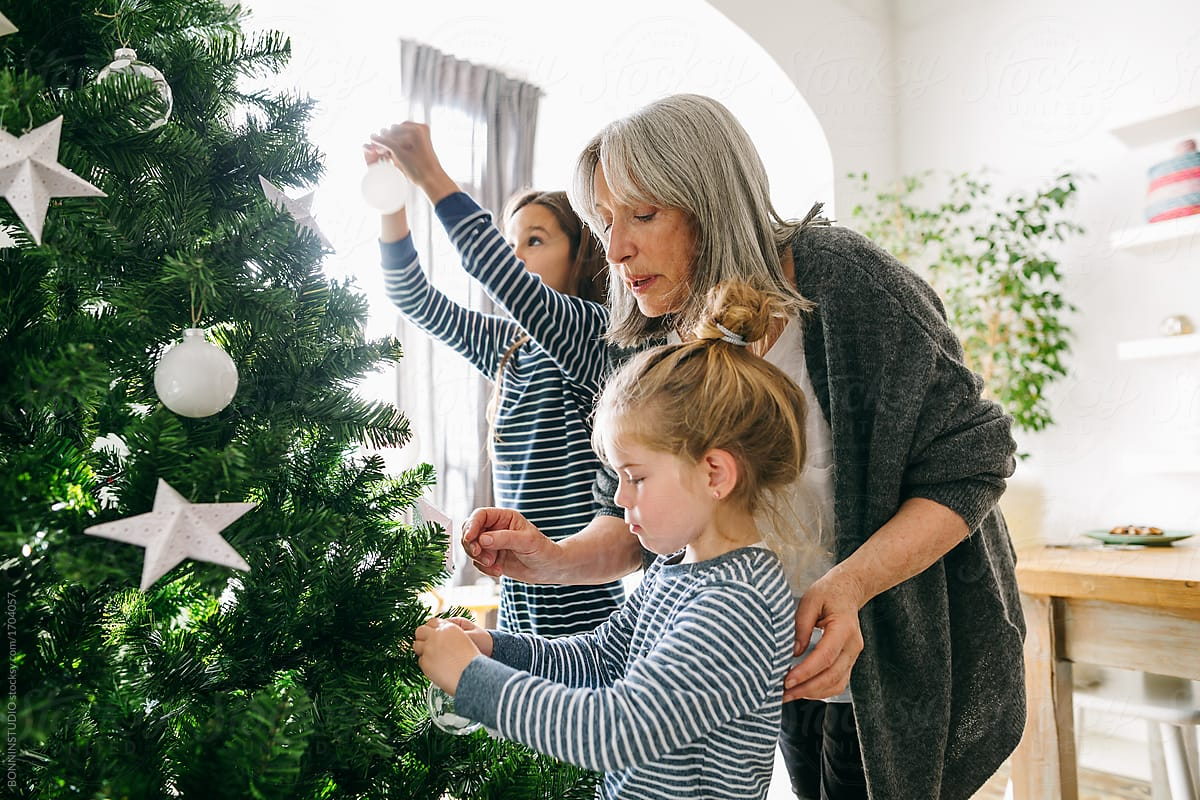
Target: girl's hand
373 153
832 603
480 637
411 149
444 650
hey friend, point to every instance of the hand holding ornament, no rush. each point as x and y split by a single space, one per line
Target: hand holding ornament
444 650
411 149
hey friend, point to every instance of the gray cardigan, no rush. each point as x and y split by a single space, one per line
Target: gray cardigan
939 689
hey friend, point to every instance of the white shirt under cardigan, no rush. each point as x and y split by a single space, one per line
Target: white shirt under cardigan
675 696
811 501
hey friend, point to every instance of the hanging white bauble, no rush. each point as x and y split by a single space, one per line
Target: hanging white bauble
195 378
384 187
443 715
125 60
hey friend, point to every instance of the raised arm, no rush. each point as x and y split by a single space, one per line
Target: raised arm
481 338
567 328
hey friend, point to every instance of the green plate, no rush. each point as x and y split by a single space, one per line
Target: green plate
1159 540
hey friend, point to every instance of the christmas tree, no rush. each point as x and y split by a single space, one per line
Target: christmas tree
135 209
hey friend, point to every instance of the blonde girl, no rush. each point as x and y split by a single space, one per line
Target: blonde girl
678 694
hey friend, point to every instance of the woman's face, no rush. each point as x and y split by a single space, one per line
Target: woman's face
536 237
650 248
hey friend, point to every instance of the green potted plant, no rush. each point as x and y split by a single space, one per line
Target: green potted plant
990 260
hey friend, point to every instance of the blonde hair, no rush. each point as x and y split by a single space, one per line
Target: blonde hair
711 393
688 152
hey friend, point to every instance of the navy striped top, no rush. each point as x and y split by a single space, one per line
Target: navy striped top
543 465
678 695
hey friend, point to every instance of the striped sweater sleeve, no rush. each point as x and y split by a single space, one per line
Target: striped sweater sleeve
715 663
481 338
591 659
569 329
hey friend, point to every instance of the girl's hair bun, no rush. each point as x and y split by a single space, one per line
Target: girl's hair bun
735 307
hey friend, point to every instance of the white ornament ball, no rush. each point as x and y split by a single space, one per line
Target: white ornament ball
195 378
125 60
384 187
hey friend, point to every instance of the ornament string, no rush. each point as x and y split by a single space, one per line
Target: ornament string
196 312
116 18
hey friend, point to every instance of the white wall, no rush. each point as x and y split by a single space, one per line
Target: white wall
839 55
1026 88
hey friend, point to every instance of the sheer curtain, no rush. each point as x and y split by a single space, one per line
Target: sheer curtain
482 123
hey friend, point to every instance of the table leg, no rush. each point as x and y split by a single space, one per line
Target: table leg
1043 766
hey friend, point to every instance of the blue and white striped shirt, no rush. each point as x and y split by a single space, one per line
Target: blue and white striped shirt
677 695
544 465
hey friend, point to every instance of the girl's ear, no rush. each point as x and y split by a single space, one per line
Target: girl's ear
721 469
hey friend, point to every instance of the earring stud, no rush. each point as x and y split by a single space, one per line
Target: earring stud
716 494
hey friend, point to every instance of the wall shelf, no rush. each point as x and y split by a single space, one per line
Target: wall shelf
1157 233
1175 239
1177 124
1159 347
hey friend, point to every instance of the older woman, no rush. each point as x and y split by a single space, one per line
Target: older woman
912 584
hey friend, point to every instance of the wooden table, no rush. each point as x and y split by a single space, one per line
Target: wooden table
482 600
1136 608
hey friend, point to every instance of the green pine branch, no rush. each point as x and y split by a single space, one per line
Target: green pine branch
296 679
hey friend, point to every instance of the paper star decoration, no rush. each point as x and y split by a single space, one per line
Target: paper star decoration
428 512
175 530
30 175
300 208
6 27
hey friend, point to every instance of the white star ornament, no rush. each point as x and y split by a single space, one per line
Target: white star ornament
6 27
428 512
175 530
300 208
30 175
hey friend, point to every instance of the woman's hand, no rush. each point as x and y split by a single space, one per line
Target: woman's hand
832 603
444 649
920 533
501 541
411 149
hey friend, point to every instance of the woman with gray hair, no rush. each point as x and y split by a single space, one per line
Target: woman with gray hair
909 625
